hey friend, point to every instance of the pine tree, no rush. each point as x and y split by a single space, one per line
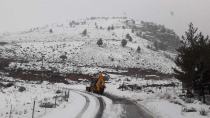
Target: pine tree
128 36
124 42
109 28
51 31
112 27
138 50
100 42
84 33
193 59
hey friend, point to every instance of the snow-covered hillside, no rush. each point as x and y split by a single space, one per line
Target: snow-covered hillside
50 43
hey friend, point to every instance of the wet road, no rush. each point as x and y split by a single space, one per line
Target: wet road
130 109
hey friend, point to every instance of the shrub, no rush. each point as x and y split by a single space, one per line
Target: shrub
84 33
129 37
138 50
21 89
132 30
203 112
51 31
109 28
112 59
100 42
189 100
63 57
112 27
9 84
25 111
176 102
191 109
166 96
58 92
47 105
124 43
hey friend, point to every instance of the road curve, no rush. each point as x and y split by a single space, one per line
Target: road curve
85 107
97 99
130 109
101 108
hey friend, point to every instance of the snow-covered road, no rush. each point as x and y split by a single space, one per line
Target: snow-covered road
88 105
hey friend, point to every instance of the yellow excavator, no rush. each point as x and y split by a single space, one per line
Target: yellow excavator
98 85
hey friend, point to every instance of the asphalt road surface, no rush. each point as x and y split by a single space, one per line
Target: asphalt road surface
130 108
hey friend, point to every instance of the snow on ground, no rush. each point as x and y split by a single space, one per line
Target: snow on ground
68 111
163 103
39 43
38 48
19 104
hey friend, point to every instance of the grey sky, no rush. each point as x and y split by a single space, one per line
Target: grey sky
22 14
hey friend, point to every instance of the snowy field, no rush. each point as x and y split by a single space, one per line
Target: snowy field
39 44
161 102
64 48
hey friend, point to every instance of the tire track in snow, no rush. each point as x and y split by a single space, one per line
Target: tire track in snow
85 107
100 100
101 108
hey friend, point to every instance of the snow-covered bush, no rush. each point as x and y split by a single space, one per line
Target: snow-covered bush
9 84
100 42
189 100
132 30
124 42
165 96
63 57
189 109
176 102
138 50
47 105
51 31
203 112
58 92
21 89
129 37
25 111
84 33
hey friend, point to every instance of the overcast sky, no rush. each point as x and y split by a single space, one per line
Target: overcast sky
18 15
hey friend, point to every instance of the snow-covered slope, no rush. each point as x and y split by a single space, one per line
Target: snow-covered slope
52 41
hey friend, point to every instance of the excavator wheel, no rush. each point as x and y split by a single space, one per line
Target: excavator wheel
88 89
101 91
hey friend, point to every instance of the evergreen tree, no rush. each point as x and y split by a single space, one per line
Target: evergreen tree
84 33
138 50
124 43
51 31
193 59
112 27
128 36
109 28
100 42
